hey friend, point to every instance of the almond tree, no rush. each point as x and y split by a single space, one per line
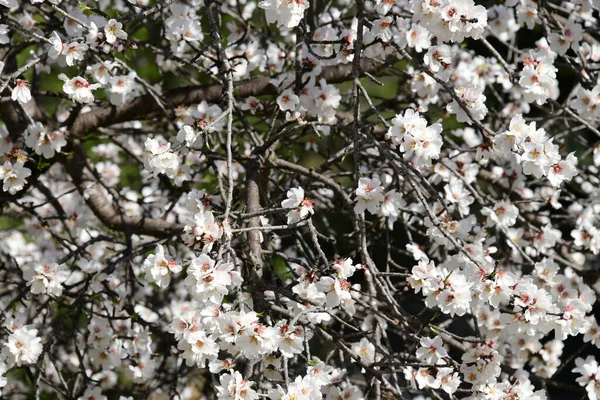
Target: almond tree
299 200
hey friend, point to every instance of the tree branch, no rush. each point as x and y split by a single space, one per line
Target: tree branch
142 106
106 212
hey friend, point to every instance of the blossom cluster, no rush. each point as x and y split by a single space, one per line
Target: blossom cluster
315 101
451 20
418 142
535 152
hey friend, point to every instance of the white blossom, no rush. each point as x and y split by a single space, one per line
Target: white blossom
23 346
284 13
78 89
21 91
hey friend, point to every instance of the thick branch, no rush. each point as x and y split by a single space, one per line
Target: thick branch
140 107
253 236
106 212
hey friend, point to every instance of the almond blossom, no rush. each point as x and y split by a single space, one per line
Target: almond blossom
234 387
369 195
302 207
202 231
538 77
159 158
73 51
365 350
56 46
451 20
432 350
570 36
209 282
47 278
113 31
284 13
159 269
503 214
44 143
78 89
471 101
14 176
288 101
21 91
417 141
23 346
